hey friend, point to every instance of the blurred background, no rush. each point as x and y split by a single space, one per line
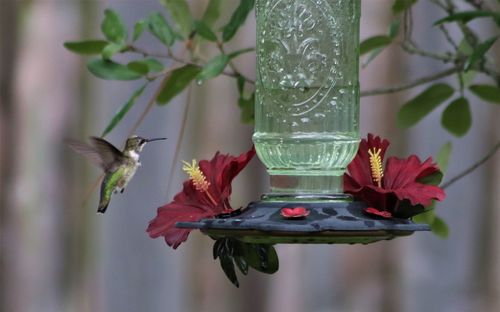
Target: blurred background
59 255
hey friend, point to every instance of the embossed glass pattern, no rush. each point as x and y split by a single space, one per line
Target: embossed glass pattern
307 98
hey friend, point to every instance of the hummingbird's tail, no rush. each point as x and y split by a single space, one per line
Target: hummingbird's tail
105 197
103 206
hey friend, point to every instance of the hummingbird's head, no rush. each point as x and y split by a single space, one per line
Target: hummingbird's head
136 143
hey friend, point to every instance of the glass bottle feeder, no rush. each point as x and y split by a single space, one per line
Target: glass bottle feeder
306 129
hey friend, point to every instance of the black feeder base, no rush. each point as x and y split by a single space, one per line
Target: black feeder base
327 223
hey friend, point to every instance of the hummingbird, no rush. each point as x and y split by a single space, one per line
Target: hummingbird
119 166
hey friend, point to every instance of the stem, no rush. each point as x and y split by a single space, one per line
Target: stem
220 46
412 84
469 170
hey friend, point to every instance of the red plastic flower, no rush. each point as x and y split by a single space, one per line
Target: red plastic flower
205 194
294 213
399 190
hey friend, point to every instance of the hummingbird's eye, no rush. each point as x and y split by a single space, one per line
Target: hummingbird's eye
142 141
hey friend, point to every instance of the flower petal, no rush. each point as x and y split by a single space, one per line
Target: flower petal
400 172
359 169
295 212
401 177
374 211
167 216
420 194
222 169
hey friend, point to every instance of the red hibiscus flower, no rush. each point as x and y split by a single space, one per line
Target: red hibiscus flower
205 194
398 191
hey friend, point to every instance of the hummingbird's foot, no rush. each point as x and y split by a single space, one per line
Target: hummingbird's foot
122 190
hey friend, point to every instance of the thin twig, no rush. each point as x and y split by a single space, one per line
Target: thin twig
439 4
411 48
448 37
469 170
91 190
478 4
180 138
149 106
411 84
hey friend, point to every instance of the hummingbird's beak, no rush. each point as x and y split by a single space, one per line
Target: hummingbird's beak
155 139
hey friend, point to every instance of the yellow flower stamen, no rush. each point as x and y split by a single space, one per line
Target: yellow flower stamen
376 165
199 180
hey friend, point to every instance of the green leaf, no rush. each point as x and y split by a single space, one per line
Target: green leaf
204 31
467 78
465 48
237 53
467 16
247 107
443 157
139 28
139 67
487 93
261 257
402 5
242 264
237 19
159 27
479 51
440 228
110 70
240 83
433 179
417 108
212 12
179 79
426 217
179 10
457 118
213 68
373 43
87 47
226 262
393 33
113 27
394 28
146 66
124 110
371 57
111 49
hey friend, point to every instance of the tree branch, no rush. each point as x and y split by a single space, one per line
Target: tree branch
412 84
469 170
411 48
177 59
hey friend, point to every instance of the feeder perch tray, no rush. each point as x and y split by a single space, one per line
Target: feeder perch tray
327 223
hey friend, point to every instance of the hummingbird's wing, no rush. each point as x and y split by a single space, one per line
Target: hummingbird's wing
110 155
101 153
86 150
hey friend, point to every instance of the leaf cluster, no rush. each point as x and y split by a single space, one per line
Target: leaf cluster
469 58
232 252
178 26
